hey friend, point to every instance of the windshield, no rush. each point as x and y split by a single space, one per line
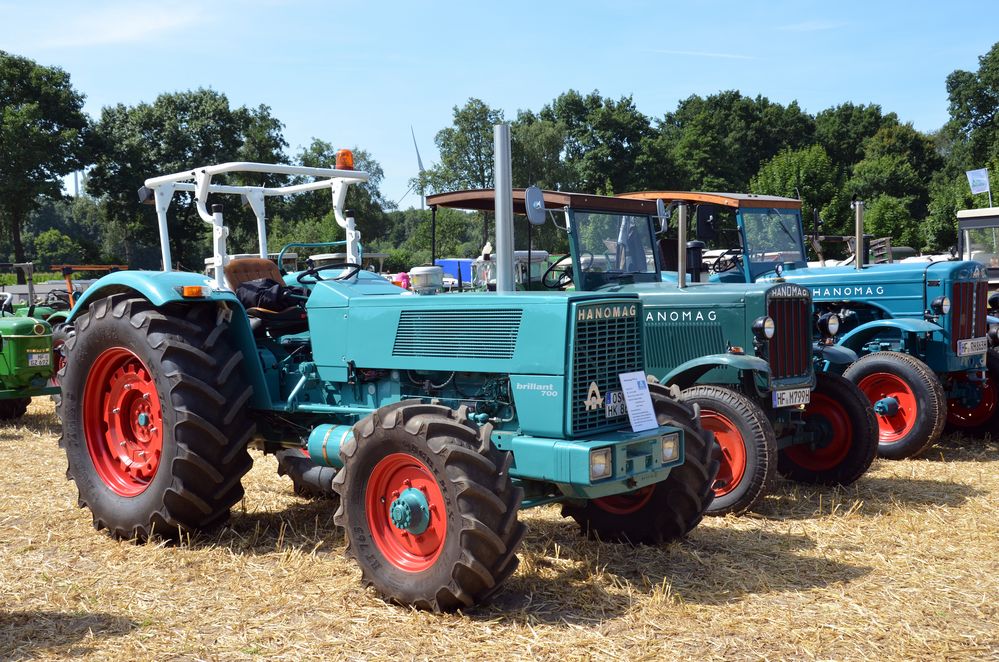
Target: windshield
614 243
982 245
772 236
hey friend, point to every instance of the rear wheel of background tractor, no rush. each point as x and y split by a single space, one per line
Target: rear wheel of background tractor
13 408
983 415
845 435
429 509
669 509
908 400
308 479
60 334
154 412
748 447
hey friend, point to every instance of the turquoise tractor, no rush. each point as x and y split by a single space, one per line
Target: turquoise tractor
441 416
743 353
920 328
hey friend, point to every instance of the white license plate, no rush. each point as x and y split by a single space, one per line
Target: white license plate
615 405
972 346
791 397
38 359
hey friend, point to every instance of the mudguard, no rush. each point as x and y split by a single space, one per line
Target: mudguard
864 333
687 373
834 354
989 321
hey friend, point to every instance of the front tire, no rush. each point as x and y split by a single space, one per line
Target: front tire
155 421
429 509
983 415
911 400
846 435
669 509
748 448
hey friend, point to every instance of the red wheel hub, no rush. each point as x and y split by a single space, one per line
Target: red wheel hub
123 421
831 421
880 385
627 503
392 476
732 468
961 416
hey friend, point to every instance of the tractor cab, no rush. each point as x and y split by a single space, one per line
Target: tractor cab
978 240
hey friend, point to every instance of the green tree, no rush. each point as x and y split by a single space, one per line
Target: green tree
807 173
53 247
974 109
177 131
43 136
842 130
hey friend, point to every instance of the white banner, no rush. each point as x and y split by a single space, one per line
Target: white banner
979 180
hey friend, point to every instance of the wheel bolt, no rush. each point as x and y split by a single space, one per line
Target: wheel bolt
127 387
145 396
115 410
407 482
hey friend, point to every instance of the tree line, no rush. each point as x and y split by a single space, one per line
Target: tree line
913 182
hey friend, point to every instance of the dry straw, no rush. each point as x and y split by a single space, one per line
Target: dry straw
903 565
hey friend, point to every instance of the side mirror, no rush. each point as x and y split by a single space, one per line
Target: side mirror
534 204
706 222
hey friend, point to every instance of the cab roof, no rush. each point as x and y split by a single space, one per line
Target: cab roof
485 200
736 200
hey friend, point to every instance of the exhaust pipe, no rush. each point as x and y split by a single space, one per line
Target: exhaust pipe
681 232
503 180
858 212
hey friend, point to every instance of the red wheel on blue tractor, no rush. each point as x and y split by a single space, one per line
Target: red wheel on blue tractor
748 448
981 413
429 510
669 509
908 401
844 435
154 416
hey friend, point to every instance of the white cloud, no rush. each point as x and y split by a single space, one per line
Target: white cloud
725 56
116 24
812 26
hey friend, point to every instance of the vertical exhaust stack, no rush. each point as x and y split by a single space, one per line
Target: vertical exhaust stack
681 230
503 178
858 211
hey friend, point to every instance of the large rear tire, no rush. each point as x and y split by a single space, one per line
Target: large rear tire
845 435
748 448
669 509
908 400
154 411
983 415
429 509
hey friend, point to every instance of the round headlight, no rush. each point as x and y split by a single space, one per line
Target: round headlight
828 324
764 327
941 305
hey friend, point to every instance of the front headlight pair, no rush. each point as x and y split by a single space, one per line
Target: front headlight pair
601 459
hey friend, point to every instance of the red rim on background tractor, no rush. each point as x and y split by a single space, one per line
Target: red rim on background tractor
122 421
879 385
961 416
392 476
836 445
732 468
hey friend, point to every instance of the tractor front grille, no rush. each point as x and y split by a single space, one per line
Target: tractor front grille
968 311
606 341
789 352
458 334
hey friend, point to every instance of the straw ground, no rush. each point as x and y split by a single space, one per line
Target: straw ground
903 565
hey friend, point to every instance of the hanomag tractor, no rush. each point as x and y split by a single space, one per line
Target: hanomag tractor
919 328
743 353
443 415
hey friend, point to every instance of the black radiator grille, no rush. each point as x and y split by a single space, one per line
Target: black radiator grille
968 311
790 350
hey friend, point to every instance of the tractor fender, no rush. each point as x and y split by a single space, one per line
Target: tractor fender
163 287
834 354
688 373
989 321
864 333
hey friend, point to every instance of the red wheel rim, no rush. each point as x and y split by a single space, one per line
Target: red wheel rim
122 421
58 359
391 476
839 434
732 468
627 503
961 416
879 385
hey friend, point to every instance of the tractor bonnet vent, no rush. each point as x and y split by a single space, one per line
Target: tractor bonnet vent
458 334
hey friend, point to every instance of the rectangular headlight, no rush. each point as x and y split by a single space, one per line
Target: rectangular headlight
671 447
600 463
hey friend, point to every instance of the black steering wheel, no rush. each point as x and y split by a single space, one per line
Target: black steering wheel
564 277
350 270
727 260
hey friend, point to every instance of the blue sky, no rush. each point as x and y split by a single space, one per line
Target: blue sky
361 73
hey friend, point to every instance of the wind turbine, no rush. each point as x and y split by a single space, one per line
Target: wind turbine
418 183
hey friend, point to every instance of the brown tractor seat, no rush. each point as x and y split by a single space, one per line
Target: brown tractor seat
239 271
292 319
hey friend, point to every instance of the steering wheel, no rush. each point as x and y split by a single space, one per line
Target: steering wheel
727 260
564 277
350 270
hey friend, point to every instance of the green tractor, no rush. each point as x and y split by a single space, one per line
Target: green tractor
441 416
742 353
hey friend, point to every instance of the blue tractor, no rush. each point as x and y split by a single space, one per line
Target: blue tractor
439 416
920 328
